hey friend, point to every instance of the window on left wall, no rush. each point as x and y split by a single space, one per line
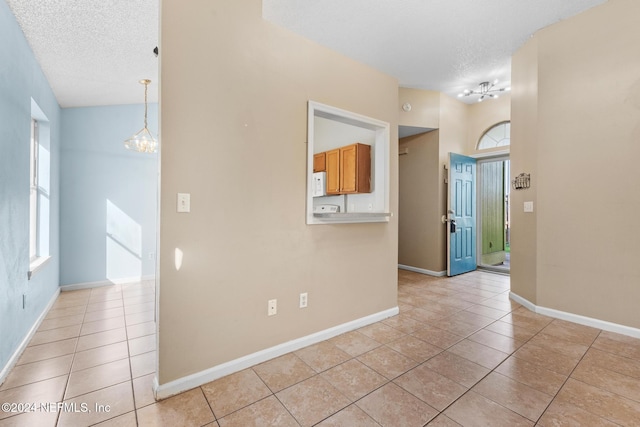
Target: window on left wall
39 190
33 192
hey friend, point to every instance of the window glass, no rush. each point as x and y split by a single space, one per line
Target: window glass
498 135
33 192
39 189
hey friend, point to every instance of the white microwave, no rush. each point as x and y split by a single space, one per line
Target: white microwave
319 184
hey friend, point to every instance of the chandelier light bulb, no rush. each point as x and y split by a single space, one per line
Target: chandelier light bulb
142 141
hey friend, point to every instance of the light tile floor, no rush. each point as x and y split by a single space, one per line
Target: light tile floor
459 353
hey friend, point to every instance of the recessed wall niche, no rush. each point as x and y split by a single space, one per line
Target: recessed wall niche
346 141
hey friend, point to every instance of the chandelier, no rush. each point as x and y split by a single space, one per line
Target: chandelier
485 90
143 141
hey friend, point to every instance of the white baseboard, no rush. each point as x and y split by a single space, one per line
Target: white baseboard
422 270
523 301
101 283
577 318
16 354
194 380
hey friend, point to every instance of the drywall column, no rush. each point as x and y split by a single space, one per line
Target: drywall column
523 155
233 102
578 251
588 151
419 211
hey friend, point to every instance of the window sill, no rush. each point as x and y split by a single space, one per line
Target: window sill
37 264
351 217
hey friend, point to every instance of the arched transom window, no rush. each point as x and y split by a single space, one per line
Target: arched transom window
498 135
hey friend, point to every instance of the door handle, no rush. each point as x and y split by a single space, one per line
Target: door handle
449 217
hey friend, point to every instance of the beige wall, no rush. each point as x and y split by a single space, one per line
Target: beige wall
524 159
585 143
234 91
425 108
419 212
454 127
482 116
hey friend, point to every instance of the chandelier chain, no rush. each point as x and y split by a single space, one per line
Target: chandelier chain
146 86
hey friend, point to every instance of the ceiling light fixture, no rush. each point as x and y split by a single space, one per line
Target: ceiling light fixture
486 90
143 141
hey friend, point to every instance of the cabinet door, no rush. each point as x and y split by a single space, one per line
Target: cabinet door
319 162
333 171
348 169
355 169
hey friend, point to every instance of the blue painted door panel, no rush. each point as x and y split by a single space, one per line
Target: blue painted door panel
461 203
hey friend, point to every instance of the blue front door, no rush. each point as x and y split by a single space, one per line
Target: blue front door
461 204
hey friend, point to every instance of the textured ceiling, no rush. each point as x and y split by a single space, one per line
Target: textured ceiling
443 45
93 52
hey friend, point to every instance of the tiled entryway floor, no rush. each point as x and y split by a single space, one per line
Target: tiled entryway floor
459 353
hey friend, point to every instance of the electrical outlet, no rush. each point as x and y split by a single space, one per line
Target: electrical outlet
303 300
528 206
272 307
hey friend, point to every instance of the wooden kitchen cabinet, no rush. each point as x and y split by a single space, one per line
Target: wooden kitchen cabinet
349 169
333 171
320 162
355 169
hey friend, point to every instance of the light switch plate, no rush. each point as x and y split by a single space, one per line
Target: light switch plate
528 206
184 202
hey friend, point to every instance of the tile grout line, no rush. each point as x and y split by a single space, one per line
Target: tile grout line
73 358
215 417
75 353
424 326
512 353
477 382
468 389
595 386
102 388
126 335
567 379
276 396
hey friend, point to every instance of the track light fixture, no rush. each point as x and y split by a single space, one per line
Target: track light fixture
485 90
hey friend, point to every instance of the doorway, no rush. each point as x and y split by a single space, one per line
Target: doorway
494 228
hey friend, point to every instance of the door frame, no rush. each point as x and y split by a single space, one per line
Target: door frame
495 156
